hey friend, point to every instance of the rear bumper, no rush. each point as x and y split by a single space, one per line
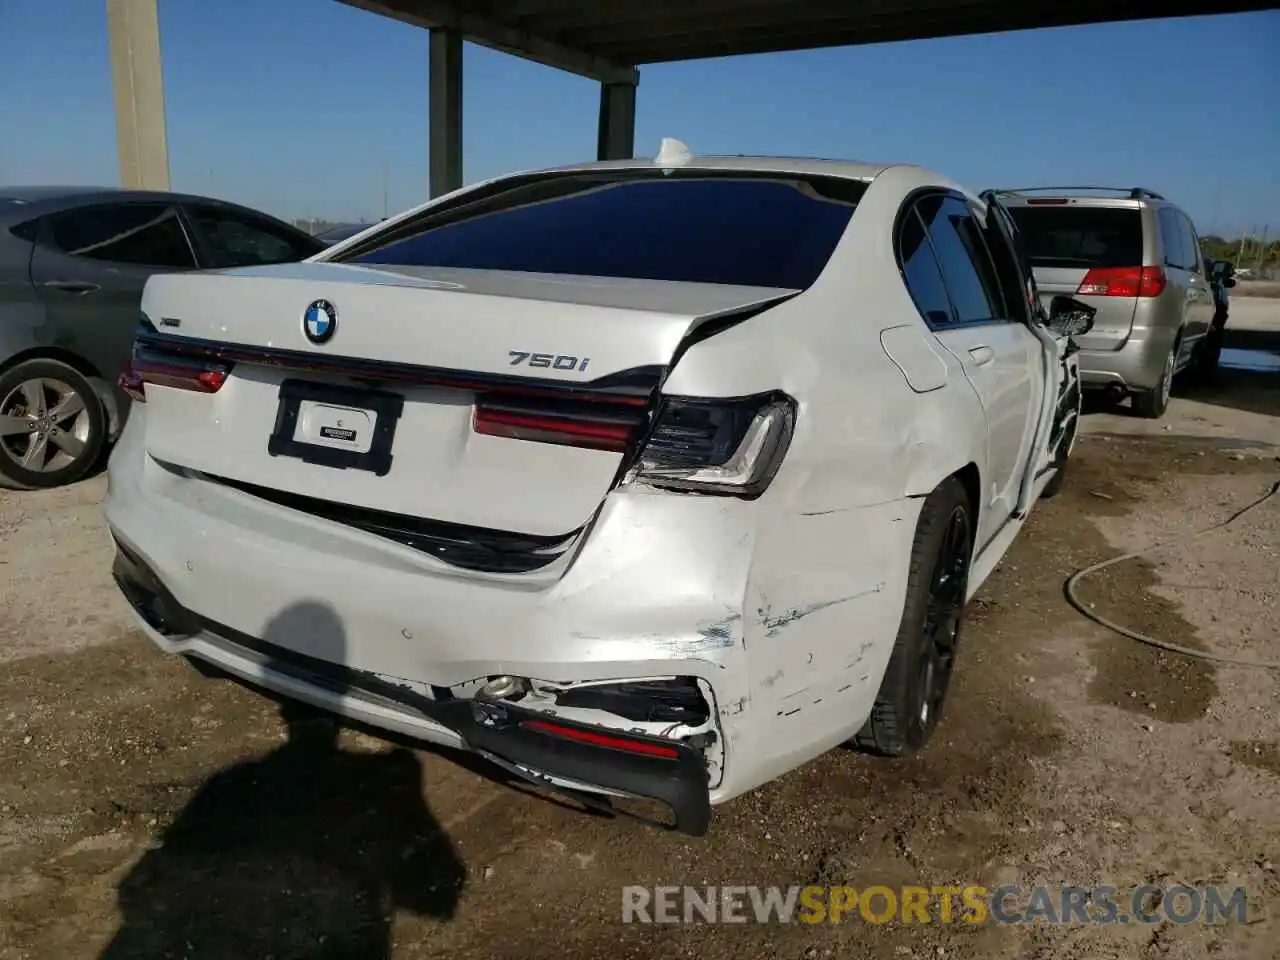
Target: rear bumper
1135 366
672 772
784 631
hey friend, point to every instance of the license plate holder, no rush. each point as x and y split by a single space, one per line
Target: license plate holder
346 428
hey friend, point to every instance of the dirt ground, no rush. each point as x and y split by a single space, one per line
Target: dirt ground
1256 288
146 808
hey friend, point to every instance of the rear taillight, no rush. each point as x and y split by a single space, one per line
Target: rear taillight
597 425
716 446
729 447
1123 282
166 370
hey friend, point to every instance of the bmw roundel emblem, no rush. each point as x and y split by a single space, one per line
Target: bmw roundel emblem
320 322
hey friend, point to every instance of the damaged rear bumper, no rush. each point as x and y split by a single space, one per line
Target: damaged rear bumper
553 752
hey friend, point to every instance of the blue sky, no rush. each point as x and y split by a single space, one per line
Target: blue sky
307 107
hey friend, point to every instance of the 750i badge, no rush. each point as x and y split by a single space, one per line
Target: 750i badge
548 360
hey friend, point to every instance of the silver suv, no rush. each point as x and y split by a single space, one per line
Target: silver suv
1135 257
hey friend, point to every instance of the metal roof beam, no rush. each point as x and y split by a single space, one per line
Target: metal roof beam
578 10
727 41
499 36
655 25
668 17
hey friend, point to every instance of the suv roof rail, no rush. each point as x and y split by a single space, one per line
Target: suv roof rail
1134 193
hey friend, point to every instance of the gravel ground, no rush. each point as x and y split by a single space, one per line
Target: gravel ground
146 808
1256 288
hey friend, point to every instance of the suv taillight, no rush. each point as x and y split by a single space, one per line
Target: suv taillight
1123 282
729 447
164 370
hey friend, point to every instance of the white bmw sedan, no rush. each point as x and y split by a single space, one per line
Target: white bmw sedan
645 478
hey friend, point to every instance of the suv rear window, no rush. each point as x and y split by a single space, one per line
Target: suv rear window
1077 236
688 226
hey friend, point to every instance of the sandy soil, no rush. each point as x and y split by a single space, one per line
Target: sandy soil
146 808
1256 288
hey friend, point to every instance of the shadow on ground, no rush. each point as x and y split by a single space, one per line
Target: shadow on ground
307 851
1249 375
1248 378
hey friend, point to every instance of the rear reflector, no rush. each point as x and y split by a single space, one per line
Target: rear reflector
164 370
1123 282
643 747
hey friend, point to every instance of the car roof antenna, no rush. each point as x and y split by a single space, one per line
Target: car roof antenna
672 153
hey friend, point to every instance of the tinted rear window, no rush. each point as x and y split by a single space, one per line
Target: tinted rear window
1080 236
711 229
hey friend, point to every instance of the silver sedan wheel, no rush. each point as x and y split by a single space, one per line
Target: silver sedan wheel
44 425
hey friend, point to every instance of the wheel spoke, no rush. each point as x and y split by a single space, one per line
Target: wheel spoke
943 612
37 446
14 426
949 569
67 407
33 396
68 443
953 537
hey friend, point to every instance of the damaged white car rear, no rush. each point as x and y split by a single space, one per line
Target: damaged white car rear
642 478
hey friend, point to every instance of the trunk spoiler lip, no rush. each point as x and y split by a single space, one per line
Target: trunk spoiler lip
634 387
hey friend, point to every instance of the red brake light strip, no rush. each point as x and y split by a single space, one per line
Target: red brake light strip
578 430
175 372
602 739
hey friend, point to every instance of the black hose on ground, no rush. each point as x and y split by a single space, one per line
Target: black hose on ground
1079 575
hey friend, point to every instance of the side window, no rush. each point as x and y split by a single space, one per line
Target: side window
1194 261
1172 239
142 234
966 266
921 273
1010 265
232 240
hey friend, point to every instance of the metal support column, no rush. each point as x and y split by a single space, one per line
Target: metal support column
616 138
445 121
133 31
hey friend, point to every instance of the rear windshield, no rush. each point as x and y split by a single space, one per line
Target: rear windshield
1078 236
755 231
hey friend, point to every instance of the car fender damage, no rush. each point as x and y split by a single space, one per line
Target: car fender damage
775 623
721 634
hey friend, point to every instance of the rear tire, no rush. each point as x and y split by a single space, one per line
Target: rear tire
52 425
1151 404
909 704
1054 486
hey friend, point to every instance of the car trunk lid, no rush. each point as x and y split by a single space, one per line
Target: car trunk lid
381 415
